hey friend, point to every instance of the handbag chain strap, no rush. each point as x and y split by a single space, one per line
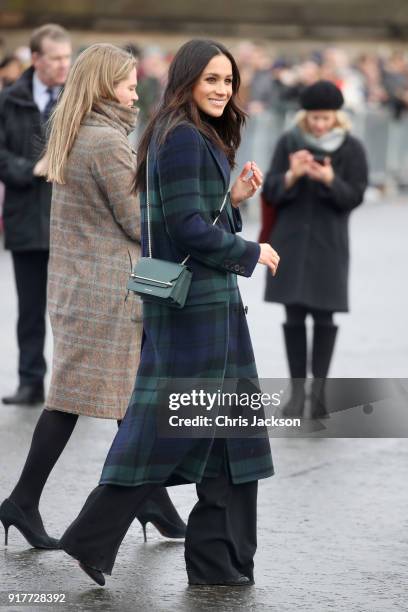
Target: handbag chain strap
149 235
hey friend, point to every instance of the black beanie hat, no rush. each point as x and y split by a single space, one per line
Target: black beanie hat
322 95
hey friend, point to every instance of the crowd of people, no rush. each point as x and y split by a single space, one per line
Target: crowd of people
78 202
273 81
367 80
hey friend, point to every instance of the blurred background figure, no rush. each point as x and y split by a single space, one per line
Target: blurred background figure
11 69
134 50
395 78
243 54
369 67
152 81
25 107
318 175
261 83
337 68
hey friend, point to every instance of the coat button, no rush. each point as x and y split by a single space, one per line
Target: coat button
236 268
242 270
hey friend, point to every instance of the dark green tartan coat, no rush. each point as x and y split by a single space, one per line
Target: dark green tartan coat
208 338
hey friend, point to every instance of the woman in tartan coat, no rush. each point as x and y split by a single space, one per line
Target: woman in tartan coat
190 145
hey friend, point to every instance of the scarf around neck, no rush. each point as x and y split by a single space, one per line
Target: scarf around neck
107 111
328 143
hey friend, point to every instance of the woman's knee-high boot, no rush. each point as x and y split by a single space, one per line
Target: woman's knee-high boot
324 337
296 351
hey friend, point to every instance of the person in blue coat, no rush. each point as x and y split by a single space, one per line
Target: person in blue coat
187 151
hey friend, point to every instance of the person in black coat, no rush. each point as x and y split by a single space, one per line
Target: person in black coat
25 108
318 175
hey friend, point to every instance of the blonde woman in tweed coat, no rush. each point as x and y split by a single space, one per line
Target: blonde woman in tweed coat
95 227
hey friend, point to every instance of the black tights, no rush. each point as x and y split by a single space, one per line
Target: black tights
296 315
51 434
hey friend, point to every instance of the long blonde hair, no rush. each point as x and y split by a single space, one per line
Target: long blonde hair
93 77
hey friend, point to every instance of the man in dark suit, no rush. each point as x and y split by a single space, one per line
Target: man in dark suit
25 108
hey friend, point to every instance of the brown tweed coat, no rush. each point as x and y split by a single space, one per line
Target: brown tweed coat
95 221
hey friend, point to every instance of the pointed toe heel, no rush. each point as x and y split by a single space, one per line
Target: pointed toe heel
13 515
96 575
161 513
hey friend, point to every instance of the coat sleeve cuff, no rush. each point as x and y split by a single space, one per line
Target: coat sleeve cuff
247 261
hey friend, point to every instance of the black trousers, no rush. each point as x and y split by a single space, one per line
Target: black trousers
30 271
221 532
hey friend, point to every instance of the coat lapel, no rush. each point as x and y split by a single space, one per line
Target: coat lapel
216 155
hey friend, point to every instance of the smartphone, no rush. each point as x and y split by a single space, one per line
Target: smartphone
319 159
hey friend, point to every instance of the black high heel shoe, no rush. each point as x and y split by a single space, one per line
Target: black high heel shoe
96 575
160 511
12 515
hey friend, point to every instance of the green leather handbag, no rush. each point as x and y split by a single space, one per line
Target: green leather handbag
158 280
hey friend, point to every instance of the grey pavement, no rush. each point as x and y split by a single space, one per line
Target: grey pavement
333 521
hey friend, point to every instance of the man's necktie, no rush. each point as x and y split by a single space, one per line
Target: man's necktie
50 105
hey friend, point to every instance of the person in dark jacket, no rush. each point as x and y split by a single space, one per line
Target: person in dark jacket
25 108
187 152
318 175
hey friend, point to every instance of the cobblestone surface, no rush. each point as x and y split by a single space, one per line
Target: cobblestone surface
333 521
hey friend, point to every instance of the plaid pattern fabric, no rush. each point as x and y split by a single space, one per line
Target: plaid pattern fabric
209 338
188 181
95 224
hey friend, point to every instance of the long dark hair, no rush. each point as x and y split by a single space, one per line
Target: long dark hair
177 105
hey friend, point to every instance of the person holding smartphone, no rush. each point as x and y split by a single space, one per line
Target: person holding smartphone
318 175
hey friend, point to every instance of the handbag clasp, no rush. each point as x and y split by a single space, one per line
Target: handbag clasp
153 280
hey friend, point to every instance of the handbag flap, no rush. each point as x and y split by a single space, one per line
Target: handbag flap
158 270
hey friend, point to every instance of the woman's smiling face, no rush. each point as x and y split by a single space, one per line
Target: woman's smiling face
213 88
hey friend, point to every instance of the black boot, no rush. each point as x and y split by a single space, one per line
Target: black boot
26 395
324 337
296 351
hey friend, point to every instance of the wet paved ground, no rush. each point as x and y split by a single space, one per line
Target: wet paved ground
333 521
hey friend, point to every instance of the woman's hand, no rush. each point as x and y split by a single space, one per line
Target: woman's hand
321 172
299 163
41 167
269 257
246 184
